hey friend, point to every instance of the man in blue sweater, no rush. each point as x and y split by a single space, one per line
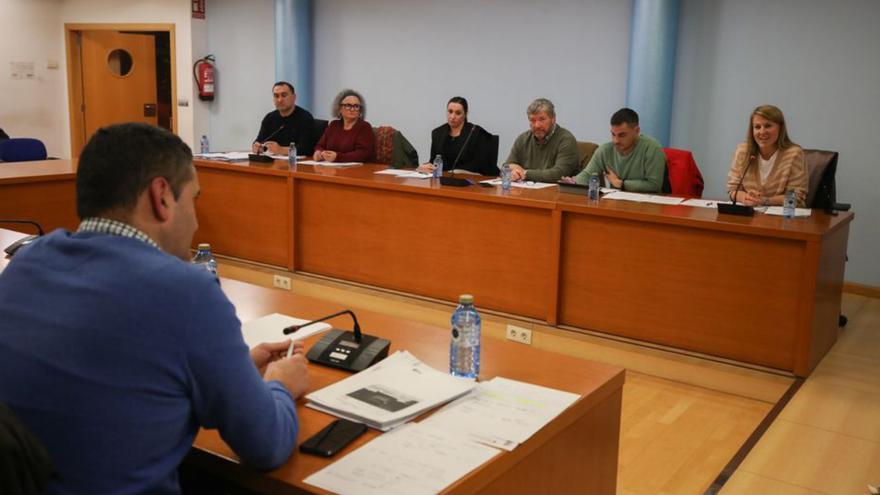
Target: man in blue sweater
114 350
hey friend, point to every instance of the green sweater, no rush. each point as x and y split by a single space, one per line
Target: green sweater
557 157
641 170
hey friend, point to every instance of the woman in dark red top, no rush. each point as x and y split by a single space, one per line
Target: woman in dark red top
349 138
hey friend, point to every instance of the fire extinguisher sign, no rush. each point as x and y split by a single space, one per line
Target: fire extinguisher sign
198 8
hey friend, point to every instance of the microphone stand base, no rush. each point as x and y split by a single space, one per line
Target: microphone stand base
743 211
340 349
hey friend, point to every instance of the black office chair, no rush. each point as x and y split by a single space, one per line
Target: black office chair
320 127
25 466
493 150
821 168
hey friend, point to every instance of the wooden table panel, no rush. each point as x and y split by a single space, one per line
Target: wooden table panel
245 215
726 294
42 191
431 245
580 445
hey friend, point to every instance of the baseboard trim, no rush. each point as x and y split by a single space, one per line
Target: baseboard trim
861 289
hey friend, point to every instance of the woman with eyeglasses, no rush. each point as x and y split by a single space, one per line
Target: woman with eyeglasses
349 138
463 145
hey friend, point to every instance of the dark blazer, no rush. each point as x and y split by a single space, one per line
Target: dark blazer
476 154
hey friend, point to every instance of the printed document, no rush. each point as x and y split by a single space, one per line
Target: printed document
270 328
329 164
704 203
644 198
502 413
524 184
414 459
389 393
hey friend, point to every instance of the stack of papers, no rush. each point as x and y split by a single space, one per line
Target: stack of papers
502 413
329 164
412 460
389 393
644 198
798 212
704 203
405 174
427 457
526 184
270 328
229 156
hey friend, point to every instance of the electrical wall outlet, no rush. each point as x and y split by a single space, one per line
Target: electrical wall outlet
519 334
281 282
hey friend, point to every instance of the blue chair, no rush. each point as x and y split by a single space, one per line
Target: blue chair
22 150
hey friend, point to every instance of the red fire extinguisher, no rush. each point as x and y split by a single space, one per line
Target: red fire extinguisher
203 71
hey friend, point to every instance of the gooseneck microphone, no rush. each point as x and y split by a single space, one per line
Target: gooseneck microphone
263 148
735 209
356 330
24 241
26 222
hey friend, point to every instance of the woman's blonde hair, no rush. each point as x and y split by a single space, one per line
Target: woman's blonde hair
775 115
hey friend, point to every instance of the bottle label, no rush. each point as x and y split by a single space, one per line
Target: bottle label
455 334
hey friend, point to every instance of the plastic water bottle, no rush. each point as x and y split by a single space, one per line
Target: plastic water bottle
203 144
205 259
438 167
291 154
464 347
505 177
789 203
593 191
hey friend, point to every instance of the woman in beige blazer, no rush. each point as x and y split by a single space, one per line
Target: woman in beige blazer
768 163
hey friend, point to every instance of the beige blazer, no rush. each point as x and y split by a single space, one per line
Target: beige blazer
788 171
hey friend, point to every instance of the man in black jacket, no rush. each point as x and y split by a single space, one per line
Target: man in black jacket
287 124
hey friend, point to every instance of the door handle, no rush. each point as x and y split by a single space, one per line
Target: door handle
149 109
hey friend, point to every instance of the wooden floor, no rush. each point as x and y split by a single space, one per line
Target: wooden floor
827 440
684 417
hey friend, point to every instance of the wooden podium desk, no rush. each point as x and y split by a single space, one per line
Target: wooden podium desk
578 448
43 191
761 290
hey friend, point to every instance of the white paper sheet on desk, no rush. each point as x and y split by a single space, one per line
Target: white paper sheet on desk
644 198
704 203
270 328
395 389
521 184
412 460
502 413
798 212
393 171
329 164
405 174
224 156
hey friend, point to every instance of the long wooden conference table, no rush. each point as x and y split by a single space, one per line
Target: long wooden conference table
577 448
761 290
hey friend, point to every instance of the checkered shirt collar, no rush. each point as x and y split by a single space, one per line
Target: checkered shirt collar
114 227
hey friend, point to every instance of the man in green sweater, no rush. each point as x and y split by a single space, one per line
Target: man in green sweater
546 152
630 162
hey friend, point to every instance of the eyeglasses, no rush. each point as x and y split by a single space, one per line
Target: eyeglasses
350 106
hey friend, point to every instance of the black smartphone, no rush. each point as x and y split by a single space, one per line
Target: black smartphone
483 184
333 438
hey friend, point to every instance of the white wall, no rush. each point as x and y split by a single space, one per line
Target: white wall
409 57
177 12
30 32
242 37
816 60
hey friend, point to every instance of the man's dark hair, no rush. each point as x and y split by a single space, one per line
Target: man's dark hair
285 83
625 116
121 160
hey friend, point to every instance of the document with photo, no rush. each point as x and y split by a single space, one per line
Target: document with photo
389 393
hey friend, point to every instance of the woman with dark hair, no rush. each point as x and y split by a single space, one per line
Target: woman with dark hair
349 138
768 163
463 145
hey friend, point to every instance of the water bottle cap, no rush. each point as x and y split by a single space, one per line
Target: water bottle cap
204 246
466 299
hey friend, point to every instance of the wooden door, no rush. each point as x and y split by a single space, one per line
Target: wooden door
118 78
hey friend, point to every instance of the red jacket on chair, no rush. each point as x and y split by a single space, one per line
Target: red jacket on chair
685 178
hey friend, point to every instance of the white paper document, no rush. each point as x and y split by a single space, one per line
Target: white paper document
405 174
394 171
390 393
798 212
270 328
228 156
704 203
502 413
414 459
329 164
644 198
526 184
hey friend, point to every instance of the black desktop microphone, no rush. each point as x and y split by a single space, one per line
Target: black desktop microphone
735 209
24 241
350 351
263 147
